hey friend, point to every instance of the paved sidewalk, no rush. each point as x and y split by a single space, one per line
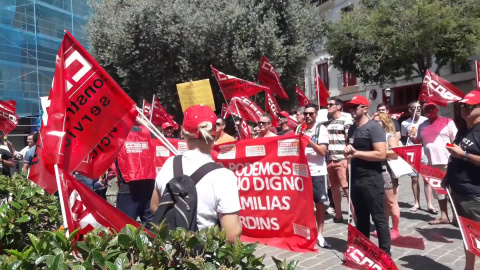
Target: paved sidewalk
443 246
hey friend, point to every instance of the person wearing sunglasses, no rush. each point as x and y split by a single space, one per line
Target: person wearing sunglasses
220 135
367 150
434 134
464 166
264 126
315 152
283 123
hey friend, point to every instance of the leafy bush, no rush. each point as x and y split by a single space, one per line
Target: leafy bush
30 239
25 208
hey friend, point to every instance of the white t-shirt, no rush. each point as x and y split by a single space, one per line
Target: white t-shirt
316 162
434 137
408 125
216 193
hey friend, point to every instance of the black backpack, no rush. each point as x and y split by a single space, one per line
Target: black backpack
178 204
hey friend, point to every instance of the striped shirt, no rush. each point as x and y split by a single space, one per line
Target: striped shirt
337 131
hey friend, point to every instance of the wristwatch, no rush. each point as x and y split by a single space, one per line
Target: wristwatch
465 156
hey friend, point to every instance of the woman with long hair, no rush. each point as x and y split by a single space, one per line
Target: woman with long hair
391 184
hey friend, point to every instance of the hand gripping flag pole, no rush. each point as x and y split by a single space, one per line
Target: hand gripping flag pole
142 119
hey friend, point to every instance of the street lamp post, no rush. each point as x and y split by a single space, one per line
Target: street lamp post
388 92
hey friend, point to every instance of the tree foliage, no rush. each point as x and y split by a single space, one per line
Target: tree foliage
150 46
382 40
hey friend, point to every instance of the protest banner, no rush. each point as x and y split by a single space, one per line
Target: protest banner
162 153
269 77
302 99
136 157
438 90
235 87
412 154
434 177
274 183
362 253
195 93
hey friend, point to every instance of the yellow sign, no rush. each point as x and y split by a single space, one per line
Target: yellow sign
195 93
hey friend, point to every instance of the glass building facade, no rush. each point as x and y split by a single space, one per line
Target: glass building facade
30 34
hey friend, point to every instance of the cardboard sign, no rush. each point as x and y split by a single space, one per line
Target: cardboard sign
195 93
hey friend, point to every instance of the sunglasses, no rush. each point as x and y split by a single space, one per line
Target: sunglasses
464 105
218 124
331 104
263 123
413 108
359 107
308 113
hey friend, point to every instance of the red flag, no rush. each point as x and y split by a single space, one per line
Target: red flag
271 107
438 90
160 115
434 177
96 104
244 130
302 99
364 254
471 234
85 209
147 109
8 117
396 116
477 67
292 123
235 87
412 154
269 77
225 111
244 108
321 92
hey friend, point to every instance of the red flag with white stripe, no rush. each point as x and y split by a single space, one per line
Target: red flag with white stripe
244 108
235 87
159 115
434 177
302 98
438 90
244 130
8 117
271 107
412 154
269 77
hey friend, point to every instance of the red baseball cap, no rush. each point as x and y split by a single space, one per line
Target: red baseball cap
358 100
472 98
196 115
284 114
429 103
166 125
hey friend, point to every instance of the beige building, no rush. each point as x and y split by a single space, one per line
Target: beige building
345 86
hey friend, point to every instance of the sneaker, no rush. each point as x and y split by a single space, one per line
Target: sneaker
394 234
330 210
321 242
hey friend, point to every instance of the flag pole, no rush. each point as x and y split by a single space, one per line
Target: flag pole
153 107
143 120
60 196
349 191
458 220
477 83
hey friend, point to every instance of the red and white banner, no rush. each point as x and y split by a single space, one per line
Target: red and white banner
244 108
271 107
85 209
471 234
269 77
438 90
225 111
159 115
137 156
412 154
302 99
8 117
244 130
84 106
162 153
434 177
396 116
363 254
234 87
274 183
147 109
321 92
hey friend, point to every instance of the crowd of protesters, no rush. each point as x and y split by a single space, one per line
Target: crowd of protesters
348 138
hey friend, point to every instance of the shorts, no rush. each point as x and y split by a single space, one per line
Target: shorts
319 186
435 194
337 173
467 206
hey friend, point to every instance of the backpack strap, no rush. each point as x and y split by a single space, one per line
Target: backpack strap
317 130
177 166
204 170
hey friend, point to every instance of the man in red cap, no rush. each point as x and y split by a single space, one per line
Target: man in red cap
367 150
283 123
434 134
464 166
167 130
217 193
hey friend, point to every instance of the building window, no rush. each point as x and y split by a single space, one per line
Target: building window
461 68
349 79
322 70
401 96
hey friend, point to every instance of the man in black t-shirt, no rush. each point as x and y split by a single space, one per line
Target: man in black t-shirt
464 166
366 150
